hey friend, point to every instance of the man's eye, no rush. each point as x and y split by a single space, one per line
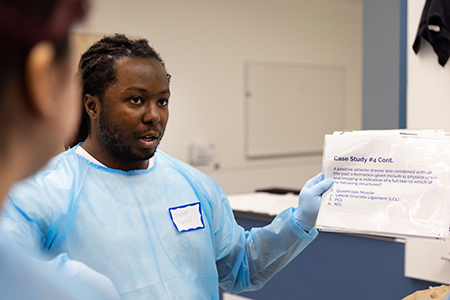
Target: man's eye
136 100
163 102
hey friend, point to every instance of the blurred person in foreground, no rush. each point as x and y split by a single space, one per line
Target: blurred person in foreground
39 111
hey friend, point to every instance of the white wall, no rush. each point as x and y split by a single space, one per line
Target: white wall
205 45
428 106
428 83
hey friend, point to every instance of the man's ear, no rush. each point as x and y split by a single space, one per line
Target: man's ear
92 105
40 78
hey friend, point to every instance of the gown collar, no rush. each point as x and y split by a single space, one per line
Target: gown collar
81 151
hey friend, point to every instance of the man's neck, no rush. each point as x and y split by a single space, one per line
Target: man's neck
101 157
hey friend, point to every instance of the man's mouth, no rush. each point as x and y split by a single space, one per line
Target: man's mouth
149 141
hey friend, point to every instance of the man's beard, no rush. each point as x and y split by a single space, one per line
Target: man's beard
111 138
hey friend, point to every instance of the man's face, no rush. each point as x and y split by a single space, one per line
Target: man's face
134 110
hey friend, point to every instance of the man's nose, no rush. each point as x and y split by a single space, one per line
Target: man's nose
151 114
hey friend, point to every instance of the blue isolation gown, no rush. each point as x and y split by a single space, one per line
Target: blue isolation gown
121 225
23 277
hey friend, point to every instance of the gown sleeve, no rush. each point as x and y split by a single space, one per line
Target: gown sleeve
30 227
246 260
21 227
37 209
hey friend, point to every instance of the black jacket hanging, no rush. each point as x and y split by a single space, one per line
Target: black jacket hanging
434 27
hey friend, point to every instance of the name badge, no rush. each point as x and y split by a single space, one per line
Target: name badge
187 217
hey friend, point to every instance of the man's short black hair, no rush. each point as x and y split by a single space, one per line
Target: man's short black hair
97 69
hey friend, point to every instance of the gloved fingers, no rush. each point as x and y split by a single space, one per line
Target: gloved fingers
322 186
313 181
310 199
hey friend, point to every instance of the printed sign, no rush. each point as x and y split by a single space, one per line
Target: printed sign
392 183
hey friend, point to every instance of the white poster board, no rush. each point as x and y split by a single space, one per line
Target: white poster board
393 183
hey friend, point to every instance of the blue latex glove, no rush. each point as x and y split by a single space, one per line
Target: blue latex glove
309 201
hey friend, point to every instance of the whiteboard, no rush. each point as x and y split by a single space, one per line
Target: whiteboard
290 107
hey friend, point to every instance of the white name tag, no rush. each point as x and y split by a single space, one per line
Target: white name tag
187 217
